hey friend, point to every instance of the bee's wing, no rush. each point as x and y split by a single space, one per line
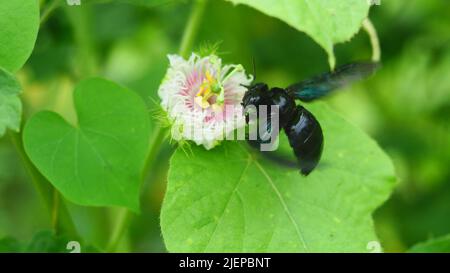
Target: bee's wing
323 84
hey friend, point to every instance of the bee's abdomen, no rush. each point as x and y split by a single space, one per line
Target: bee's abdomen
306 139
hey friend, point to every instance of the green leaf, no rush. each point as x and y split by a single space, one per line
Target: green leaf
10 104
99 161
231 200
9 245
19 25
147 3
327 21
438 245
45 242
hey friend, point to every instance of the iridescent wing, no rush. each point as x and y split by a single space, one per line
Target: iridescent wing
325 83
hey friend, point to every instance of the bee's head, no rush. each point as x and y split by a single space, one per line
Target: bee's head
256 95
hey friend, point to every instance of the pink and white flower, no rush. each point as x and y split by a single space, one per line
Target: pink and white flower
203 98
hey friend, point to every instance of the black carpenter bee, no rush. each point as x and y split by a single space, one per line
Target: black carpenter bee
301 127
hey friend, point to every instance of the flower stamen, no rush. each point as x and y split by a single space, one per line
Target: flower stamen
212 86
208 88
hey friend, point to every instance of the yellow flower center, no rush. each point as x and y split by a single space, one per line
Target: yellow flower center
209 88
212 87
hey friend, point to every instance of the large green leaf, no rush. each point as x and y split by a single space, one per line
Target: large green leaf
19 24
10 105
99 161
147 3
232 200
437 245
327 21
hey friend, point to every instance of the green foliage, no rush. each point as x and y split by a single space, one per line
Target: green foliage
47 242
10 104
405 107
438 245
43 242
9 245
99 161
146 3
19 24
327 22
421 99
232 200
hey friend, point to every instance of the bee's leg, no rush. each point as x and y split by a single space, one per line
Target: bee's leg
264 139
306 139
263 135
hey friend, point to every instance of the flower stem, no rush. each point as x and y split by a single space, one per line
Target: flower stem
190 32
187 42
61 220
80 17
158 138
374 41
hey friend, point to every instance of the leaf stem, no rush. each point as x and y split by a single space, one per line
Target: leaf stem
48 10
123 222
61 222
374 41
55 210
190 33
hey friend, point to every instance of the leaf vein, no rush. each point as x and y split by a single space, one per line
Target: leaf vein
228 202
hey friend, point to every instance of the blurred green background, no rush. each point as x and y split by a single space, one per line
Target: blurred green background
405 106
